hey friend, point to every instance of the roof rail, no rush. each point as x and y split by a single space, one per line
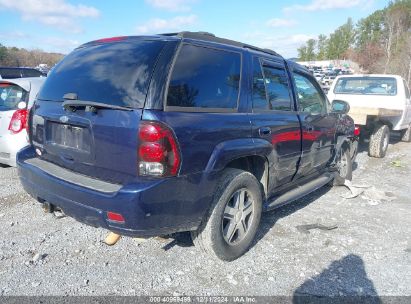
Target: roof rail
205 36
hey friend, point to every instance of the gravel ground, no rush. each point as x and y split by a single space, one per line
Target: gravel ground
369 253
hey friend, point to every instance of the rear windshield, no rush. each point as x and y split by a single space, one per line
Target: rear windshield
111 73
10 96
366 86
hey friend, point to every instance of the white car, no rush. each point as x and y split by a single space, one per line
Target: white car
378 104
16 98
327 80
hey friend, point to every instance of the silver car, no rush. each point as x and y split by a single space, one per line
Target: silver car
16 98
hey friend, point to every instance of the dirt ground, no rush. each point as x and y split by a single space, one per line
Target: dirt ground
367 253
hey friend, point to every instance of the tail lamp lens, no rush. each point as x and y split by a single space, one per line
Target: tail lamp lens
152 152
357 130
158 152
18 121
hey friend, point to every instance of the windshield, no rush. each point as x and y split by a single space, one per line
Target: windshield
366 86
10 96
111 73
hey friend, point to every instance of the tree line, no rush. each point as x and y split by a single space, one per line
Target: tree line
379 43
20 57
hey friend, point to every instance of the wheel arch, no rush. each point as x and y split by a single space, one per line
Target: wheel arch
249 154
343 142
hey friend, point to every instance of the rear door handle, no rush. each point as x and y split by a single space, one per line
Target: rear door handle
264 131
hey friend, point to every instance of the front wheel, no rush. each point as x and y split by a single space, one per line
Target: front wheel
230 226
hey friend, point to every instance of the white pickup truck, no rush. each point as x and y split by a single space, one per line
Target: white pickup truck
378 104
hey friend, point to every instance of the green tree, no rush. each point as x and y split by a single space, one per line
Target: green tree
3 54
369 29
380 43
311 43
341 40
302 53
306 52
322 45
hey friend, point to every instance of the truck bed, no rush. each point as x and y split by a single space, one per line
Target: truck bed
359 114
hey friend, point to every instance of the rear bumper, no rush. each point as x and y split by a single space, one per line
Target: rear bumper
10 144
150 207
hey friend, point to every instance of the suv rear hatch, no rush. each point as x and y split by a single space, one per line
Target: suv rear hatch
87 114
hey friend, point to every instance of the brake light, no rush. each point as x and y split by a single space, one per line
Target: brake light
18 121
357 130
158 153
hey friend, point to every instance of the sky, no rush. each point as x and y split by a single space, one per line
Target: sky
62 25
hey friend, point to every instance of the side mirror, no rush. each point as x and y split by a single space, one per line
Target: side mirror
340 107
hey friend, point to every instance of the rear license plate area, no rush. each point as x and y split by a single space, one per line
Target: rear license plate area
69 136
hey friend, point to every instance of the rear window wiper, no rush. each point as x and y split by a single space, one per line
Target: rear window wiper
92 106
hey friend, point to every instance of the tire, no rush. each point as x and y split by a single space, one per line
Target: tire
379 141
354 146
219 235
344 167
406 134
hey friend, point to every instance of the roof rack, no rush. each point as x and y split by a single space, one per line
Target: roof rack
205 36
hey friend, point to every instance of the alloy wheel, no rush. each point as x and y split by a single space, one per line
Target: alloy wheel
238 216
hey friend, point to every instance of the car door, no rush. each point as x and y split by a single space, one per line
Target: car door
275 119
317 125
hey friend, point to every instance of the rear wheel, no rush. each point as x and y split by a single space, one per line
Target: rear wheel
379 141
406 134
232 222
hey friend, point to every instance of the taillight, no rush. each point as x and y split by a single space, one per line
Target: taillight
18 121
158 153
357 130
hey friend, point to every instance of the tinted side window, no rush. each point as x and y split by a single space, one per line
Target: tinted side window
31 73
271 90
205 78
277 89
259 93
309 97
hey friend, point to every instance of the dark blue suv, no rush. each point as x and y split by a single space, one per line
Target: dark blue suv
153 135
